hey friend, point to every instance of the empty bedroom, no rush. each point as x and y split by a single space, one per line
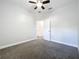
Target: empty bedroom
39 29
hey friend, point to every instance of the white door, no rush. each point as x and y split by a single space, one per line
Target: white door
47 30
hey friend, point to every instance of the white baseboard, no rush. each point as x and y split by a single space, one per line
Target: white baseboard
73 45
65 43
6 46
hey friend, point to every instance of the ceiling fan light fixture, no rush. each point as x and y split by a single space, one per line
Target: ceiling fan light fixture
39 4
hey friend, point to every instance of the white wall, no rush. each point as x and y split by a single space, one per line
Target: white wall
64 25
16 24
78 24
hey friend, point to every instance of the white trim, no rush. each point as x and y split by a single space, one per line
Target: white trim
73 45
17 43
65 43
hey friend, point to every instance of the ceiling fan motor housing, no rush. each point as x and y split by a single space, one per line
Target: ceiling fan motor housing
40 4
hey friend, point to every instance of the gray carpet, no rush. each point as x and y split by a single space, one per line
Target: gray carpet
39 49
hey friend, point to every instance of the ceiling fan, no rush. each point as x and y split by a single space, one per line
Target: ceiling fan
40 3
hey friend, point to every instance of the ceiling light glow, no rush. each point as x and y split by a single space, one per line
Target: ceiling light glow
39 4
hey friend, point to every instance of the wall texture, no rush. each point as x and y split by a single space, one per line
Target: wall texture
63 25
16 24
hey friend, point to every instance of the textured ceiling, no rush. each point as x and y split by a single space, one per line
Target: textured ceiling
55 4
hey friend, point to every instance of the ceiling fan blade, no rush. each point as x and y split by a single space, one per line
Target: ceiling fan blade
32 2
35 7
45 2
42 7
